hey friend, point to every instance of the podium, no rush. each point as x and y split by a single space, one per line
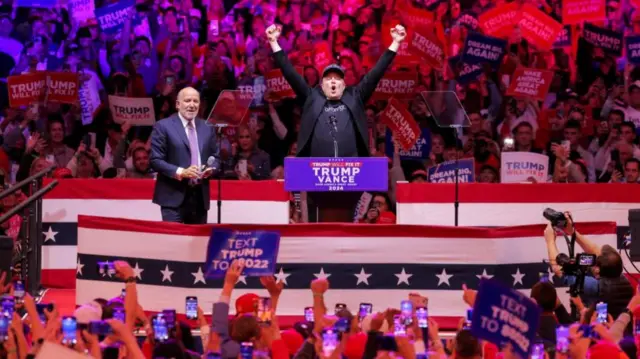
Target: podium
334 185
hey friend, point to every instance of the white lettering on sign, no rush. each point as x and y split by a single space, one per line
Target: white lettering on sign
582 7
113 19
532 24
603 40
499 20
63 88
396 87
428 47
529 82
402 126
336 175
27 90
485 51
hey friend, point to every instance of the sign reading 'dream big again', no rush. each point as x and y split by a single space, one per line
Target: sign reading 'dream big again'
257 250
315 174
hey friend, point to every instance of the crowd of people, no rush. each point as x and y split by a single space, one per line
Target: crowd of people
106 328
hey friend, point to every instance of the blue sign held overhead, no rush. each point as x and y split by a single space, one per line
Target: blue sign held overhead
479 49
504 315
257 250
467 72
315 174
445 172
111 18
36 3
632 45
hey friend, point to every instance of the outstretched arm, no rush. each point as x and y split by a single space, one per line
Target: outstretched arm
369 82
297 82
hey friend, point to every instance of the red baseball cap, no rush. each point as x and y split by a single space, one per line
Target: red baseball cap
247 303
606 350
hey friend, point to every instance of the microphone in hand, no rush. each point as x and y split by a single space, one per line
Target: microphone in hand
213 165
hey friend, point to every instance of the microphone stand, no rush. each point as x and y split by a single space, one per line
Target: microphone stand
456 200
334 131
219 132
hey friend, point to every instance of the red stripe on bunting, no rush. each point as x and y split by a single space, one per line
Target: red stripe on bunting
517 193
133 189
335 229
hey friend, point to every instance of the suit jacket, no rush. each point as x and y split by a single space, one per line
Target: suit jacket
314 100
170 150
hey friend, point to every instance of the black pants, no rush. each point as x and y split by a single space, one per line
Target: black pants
192 210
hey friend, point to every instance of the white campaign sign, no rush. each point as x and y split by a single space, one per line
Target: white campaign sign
138 111
518 167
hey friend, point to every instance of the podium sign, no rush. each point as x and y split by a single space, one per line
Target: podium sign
313 174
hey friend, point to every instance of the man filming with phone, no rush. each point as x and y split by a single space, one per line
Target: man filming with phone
606 283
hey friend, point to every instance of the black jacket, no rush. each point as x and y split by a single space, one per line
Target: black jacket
314 100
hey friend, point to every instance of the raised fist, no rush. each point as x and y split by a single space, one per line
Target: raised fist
398 33
273 32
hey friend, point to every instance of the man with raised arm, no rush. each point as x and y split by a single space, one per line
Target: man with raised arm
333 113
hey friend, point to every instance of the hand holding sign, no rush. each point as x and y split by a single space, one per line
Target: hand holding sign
233 273
274 288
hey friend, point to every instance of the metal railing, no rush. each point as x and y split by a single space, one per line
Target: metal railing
31 227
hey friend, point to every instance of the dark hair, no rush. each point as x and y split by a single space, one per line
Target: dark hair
617 112
245 328
573 124
633 160
521 124
628 124
466 345
545 295
144 39
169 349
610 262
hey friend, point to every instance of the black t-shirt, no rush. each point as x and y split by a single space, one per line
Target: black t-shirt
322 139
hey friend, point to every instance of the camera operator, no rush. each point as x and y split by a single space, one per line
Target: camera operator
607 284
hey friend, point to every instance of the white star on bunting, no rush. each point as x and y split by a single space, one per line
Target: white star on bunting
49 235
403 277
282 276
137 271
198 276
243 279
322 274
166 274
484 275
443 278
517 278
363 277
79 267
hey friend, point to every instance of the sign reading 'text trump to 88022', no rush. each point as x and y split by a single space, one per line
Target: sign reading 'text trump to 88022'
315 174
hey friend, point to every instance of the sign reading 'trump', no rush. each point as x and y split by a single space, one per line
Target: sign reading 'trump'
335 174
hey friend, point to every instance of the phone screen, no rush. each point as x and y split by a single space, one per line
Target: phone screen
69 328
100 327
467 322
601 309
160 330
18 291
339 307
169 317
406 308
264 310
119 314
637 326
537 352
8 306
365 309
329 341
422 316
4 327
246 350
169 80
562 339
191 307
40 307
398 325
308 314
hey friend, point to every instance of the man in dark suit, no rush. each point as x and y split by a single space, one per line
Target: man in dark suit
180 148
333 114
333 122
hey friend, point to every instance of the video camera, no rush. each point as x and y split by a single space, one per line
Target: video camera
556 218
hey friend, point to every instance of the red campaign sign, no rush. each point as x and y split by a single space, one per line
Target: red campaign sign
403 56
578 11
538 28
27 89
425 44
529 83
415 18
62 87
322 56
401 123
230 109
278 85
400 85
499 21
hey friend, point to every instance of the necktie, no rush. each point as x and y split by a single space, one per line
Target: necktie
193 143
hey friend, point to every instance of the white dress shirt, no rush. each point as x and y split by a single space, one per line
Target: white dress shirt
185 122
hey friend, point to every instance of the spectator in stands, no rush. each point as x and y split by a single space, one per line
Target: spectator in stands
256 161
59 153
141 168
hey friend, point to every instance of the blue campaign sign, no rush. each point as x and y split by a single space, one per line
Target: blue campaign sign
504 315
37 3
467 72
420 150
111 18
258 250
564 38
632 44
445 172
314 174
479 49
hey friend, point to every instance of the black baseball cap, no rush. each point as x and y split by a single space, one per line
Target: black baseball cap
333 68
